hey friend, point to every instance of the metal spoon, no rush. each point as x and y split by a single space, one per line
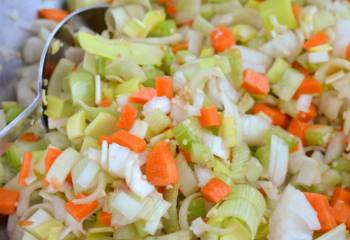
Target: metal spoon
91 18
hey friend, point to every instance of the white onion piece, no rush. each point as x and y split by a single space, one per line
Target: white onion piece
11 224
271 190
278 161
203 175
342 37
161 103
32 49
183 221
335 147
29 211
24 197
57 204
304 102
194 42
122 100
95 195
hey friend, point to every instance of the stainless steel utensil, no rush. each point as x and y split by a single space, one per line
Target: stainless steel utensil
91 18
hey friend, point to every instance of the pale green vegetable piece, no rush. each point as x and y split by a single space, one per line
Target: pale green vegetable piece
158 121
103 124
129 86
63 68
139 53
76 125
82 87
277 70
288 85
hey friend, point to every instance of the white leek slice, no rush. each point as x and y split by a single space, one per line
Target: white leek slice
304 102
88 174
338 233
310 172
203 175
139 128
289 222
62 167
216 145
278 161
39 217
98 90
118 156
188 182
161 103
318 57
253 129
126 205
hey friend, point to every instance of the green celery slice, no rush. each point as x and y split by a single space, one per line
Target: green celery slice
76 125
277 70
236 63
281 9
82 87
171 224
103 124
318 135
241 156
281 133
286 87
158 121
126 87
63 68
141 54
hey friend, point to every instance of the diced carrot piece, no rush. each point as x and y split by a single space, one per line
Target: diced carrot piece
307 116
296 10
105 103
215 190
186 155
316 40
222 38
210 117
301 69
50 158
164 87
321 205
143 95
104 137
127 117
347 52
170 8
340 195
8 202
80 211
308 86
105 218
161 166
277 117
29 137
297 128
179 46
25 169
53 14
341 212
130 141
255 83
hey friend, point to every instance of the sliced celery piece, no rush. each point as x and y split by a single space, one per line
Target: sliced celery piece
182 55
124 69
92 112
196 209
129 86
184 136
158 121
135 29
243 32
277 70
58 107
84 175
168 60
207 52
103 124
164 28
151 73
171 224
89 142
322 20
281 133
43 230
239 164
228 131
82 87
200 24
63 68
201 154
240 232
256 42
127 232
236 63
141 54
318 135
108 89
281 9
288 85
263 154
76 125
342 165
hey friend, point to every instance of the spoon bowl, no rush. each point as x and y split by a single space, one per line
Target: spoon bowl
91 18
